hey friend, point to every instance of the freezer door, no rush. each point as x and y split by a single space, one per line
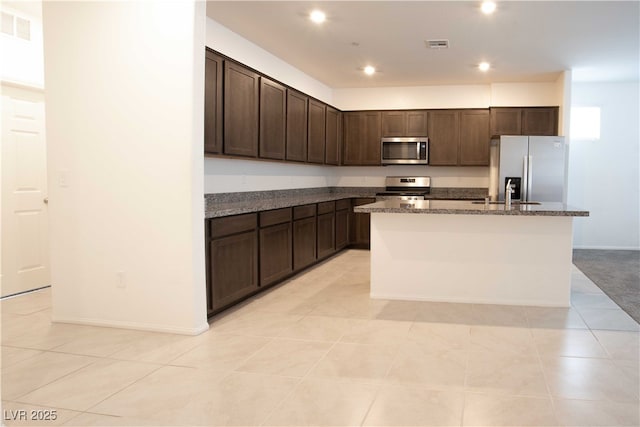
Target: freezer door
547 169
513 154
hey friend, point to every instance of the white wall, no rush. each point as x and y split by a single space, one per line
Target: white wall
525 94
231 175
603 174
440 176
452 96
22 60
124 115
383 98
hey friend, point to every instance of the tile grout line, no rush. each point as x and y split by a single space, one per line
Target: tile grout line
295 387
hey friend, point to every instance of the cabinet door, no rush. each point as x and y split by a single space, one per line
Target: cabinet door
361 143
394 123
241 87
304 242
416 123
296 126
234 268
474 138
506 121
316 133
326 234
213 104
540 121
275 253
370 148
342 228
273 119
444 137
333 136
352 141
360 228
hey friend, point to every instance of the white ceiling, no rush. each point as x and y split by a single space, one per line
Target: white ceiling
528 41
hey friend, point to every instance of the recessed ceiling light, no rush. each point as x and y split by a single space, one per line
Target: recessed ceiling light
369 70
484 66
488 7
317 16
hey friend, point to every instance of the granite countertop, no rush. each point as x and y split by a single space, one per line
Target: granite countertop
463 207
227 204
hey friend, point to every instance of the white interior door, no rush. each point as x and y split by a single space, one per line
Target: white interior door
24 223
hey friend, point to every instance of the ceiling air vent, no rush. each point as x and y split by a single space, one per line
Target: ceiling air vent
437 44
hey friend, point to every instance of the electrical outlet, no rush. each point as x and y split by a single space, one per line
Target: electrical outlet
120 283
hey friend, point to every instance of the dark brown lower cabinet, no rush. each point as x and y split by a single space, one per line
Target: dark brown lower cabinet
275 246
304 242
360 229
326 229
251 251
343 208
233 260
304 236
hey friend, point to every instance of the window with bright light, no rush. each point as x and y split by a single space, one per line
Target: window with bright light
585 123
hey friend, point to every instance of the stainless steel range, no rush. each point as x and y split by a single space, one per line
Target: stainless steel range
406 188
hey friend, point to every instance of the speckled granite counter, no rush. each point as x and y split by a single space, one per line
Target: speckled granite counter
226 204
461 207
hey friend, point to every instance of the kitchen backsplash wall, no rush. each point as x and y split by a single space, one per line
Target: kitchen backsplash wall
233 175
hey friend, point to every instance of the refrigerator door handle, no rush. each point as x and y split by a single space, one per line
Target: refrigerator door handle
525 181
529 176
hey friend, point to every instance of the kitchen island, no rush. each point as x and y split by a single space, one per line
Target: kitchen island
472 252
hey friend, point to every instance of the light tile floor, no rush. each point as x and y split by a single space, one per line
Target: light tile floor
318 351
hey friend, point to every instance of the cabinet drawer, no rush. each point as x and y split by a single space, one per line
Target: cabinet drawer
326 207
277 216
304 211
343 204
233 224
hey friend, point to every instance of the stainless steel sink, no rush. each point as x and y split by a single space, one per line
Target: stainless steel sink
502 203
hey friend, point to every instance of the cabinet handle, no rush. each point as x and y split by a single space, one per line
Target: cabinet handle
46 200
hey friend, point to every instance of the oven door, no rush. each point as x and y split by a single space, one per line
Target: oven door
398 151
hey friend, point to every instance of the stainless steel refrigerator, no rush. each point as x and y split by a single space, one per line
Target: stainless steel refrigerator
536 166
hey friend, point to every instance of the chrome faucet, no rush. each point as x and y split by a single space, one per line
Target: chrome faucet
508 190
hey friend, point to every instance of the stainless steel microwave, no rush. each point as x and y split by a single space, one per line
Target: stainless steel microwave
405 151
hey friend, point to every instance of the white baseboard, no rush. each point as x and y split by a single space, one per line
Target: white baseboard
608 248
525 302
132 325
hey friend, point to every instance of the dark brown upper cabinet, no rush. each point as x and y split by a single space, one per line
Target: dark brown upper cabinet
316 132
333 136
404 123
540 121
241 92
524 121
459 137
273 119
213 103
444 137
361 142
506 121
474 138
297 107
